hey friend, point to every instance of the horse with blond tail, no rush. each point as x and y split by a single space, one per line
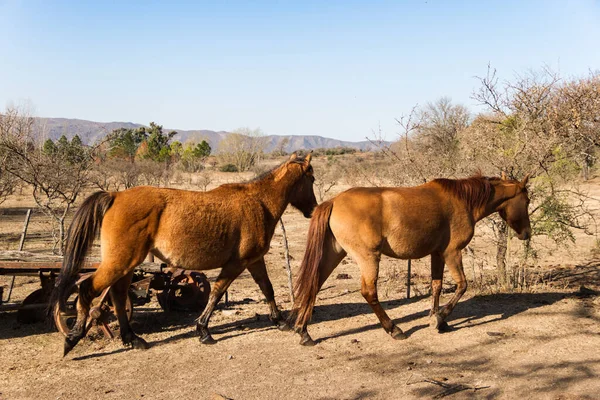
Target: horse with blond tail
229 227
437 218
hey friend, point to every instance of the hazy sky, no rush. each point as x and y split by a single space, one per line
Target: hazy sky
331 68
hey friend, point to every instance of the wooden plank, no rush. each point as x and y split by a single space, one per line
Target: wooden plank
33 267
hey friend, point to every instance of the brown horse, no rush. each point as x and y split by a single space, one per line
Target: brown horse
437 219
229 227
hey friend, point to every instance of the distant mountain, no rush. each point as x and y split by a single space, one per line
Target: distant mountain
92 132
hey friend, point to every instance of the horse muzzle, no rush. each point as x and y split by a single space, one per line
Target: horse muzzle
525 234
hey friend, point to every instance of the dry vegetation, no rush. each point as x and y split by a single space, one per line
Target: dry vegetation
542 341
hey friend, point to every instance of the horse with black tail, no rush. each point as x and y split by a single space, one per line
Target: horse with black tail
229 227
437 218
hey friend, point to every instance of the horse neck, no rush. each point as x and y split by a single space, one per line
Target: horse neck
275 193
501 193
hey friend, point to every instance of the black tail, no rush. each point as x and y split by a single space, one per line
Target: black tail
80 237
307 283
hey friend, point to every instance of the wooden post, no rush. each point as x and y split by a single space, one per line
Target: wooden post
150 258
408 281
24 233
287 259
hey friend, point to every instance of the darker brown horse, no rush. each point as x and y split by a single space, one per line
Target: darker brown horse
229 227
437 219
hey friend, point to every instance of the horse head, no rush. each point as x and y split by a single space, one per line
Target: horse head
515 210
302 195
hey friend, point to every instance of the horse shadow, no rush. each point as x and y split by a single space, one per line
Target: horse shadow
471 312
474 311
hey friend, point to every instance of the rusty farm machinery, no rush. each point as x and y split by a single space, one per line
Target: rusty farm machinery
175 289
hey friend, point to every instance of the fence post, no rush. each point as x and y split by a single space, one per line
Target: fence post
24 233
287 259
408 281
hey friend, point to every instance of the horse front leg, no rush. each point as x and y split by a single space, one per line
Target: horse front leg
227 275
369 269
454 262
258 271
437 274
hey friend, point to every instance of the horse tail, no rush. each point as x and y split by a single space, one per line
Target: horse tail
81 234
307 283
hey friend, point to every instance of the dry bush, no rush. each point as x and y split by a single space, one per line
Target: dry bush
243 148
534 123
326 178
57 178
205 178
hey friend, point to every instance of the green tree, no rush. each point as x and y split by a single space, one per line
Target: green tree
193 155
124 143
49 147
158 143
62 144
202 149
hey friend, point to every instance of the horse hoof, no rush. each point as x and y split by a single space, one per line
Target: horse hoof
436 321
139 343
283 326
307 341
208 339
67 347
397 334
444 327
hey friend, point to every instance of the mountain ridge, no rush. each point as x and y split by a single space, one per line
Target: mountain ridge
92 132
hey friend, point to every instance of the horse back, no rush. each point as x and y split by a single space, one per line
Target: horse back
194 230
398 222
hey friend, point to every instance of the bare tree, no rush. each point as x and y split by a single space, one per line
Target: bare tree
328 177
205 178
280 149
57 179
242 148
536 123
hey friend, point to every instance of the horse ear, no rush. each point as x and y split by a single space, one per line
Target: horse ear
525 180
503 175
308 158
293 156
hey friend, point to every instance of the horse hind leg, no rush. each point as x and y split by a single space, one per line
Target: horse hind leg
369 269
332 256
107 274
78 331
118 293
227 275
260 276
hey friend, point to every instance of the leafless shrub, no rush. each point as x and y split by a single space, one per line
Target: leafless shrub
57 178
205 178
243 148
326 178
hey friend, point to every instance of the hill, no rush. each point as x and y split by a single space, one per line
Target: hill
92 132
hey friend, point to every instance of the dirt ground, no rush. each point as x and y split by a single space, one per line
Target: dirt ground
543 343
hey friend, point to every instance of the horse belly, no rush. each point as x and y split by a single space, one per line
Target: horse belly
409 246
405 238
191 253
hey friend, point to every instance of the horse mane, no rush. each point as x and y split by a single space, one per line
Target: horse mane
270 172
476 190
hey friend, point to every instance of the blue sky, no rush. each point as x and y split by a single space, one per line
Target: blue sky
332 68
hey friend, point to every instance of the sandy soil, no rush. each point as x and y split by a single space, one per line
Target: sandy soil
541 344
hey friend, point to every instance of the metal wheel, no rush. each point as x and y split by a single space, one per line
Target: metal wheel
187 291
64 320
